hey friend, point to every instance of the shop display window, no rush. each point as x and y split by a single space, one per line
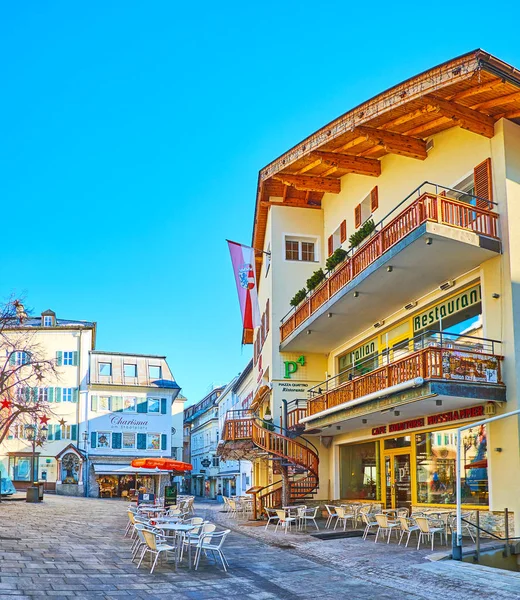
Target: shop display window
360 471
436 467
398 442
103 439
153 441
20 468
128 440
129 404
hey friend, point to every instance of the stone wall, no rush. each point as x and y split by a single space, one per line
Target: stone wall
70 489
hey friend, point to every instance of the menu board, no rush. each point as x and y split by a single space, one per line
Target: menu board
170 495
469 367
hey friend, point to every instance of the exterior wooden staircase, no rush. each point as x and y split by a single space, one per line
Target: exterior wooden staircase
299 456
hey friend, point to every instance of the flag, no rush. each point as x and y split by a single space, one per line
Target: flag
243 259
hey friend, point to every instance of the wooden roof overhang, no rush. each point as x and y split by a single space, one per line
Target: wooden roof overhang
472 91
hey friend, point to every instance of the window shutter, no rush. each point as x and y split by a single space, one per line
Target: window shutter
50 394
50 434
374 200
12 359
59 358
58 394
142 406
267 316
141 441
27 394
57 432
331 245
93 403
9 435
117 439
75 395
163 406
93 439
357 215
343 231
483 183
117 404
164 440
74 433
75 359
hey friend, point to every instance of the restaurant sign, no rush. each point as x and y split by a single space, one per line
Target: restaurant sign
448 307
432 420
463 366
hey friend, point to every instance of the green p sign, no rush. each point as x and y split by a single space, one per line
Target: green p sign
291 366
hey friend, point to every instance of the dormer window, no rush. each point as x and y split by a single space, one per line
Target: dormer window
48 318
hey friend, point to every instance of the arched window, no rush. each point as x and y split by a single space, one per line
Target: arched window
70 468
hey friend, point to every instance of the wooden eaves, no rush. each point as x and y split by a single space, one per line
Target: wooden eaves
472 91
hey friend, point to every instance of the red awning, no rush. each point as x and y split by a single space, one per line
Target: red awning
478 464
165 464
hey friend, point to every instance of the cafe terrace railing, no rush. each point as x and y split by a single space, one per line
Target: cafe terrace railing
434 207
428 363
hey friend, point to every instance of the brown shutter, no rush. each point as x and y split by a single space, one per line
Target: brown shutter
331 245
343 231
267 317
357 215
483 183
374 200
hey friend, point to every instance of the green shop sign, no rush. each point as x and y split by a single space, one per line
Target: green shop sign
447 308
291 366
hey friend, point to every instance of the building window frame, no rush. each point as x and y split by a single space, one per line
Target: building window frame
299 252
132 373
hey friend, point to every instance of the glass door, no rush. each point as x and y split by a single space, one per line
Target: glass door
398 481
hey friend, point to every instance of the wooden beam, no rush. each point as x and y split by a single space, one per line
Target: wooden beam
395 143
422 129
309 183
514 114
498 101
477 89
309 166
467 118
353 164
292 204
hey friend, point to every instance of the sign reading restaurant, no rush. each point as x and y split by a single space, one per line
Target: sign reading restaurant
439 419
452 305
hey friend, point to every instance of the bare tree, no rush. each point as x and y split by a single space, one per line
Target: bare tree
24 371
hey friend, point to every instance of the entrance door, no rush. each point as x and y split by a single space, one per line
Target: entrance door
398 482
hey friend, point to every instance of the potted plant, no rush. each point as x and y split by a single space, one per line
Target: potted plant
362 233
315 279
336 258
298 297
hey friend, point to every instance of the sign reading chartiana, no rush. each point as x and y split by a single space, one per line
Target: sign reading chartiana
449 307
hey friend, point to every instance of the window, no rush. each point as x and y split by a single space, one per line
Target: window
68 358
43 394
153 441
104 403
20 358
128 440
154 405
130 370
20 467
300 249
436 467
104 439
129 404
105 368
65 432
154 372
67 395
215 461
360 471
47 321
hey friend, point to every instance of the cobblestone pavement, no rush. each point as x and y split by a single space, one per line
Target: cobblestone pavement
74 547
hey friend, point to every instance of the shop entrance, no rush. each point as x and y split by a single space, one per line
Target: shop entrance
398 483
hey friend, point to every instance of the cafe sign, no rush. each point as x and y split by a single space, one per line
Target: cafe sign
448 307
119 423
439 419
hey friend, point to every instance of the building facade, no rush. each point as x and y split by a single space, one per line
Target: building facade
67 343
397 220
204 437
132 410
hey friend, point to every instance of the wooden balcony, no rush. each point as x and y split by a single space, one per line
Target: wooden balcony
434 363
429 207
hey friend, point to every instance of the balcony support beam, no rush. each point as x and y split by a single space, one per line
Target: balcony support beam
309 183
394 143
467 118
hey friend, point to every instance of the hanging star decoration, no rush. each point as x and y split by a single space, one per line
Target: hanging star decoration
6 403
62 422
44 420
39 442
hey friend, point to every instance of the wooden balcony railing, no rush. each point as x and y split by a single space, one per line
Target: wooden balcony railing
428 207
428 363
294 416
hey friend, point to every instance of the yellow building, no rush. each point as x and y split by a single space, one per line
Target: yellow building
415 195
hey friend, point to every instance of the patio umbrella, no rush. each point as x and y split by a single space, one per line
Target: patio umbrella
162 464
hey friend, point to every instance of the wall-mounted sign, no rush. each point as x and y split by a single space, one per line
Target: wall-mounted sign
205 462
291 366
119 423
469 367
439 419
448 307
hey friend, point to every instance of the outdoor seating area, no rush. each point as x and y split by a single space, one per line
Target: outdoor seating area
238 506
174 536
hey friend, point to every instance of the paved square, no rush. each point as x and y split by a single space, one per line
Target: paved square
74 547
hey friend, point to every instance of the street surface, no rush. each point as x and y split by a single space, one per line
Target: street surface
74 548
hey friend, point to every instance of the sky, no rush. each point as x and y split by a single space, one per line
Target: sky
132 134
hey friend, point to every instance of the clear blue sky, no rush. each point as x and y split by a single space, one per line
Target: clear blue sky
132 134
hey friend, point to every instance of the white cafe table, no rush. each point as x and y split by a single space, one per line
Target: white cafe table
180 530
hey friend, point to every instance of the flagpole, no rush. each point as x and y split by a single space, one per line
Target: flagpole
255 249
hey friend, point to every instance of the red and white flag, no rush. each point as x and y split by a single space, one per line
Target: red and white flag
243 259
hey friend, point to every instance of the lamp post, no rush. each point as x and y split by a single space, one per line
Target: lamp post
37 436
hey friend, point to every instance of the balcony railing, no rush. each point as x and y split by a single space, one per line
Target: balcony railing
437 356
429 206
238 425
